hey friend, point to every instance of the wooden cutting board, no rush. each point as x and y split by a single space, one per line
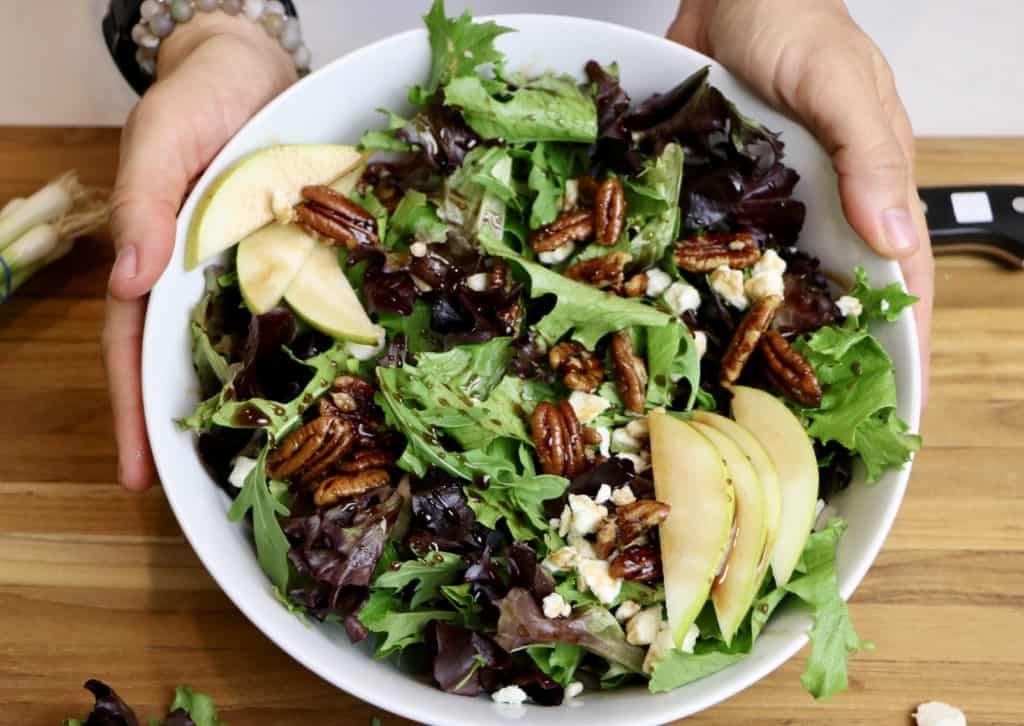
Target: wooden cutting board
96 582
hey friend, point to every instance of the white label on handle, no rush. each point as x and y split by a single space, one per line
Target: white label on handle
971 207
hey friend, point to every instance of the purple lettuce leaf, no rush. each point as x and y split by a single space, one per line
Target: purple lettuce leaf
109 710
524 570
441 134
268 371
465 662
614 144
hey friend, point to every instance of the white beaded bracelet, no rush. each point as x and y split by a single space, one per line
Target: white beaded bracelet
160 17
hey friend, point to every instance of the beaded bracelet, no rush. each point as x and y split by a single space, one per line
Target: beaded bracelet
160 17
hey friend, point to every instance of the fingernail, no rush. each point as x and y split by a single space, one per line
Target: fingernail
126 264
900 232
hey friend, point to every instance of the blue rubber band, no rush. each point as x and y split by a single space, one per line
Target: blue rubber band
8 282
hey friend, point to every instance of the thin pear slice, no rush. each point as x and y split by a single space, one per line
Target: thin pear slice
243 198
790 449
735 588
766 473
267 262
690 477
321 295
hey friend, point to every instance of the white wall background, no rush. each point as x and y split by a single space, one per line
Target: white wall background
958 63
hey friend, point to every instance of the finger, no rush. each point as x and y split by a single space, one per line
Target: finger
919 273
122 352
690 25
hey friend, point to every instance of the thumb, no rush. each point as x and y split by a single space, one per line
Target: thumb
839 99
151 183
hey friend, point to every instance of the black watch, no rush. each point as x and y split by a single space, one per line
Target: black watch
122 16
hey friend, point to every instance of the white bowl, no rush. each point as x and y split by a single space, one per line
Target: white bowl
335 105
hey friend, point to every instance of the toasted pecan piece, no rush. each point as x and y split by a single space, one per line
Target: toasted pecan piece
704 253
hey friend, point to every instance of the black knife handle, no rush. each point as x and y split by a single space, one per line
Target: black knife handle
981 220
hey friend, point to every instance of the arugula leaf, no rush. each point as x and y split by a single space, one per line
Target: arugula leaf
197 705
558 661
473 369
386 140
671 355
384 613
469 609
458 46
655 188
880 303
546 108
271 544
432 571
415 217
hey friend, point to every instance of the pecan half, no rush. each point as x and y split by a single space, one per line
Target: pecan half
569 227
367 459
580 369
352 394
334 216
630 372
704 253
636 518
607 539
609 212
559 439
639 563
339 487
308 452
636 286
606 271
746 338
789 371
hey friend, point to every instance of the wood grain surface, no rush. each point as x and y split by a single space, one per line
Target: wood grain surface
96 582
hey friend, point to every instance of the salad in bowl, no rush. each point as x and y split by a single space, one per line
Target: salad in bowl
535 388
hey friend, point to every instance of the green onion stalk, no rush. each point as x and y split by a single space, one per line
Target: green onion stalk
37 231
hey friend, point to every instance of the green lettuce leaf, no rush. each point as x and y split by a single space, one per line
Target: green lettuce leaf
475 194
671 354
546 108
415 327
469 609
197 705
385 140
551 166
385 614
431 573
368 201
558 661
415 217
884 303
271 544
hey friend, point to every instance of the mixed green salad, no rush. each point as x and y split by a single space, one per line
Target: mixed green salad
545 397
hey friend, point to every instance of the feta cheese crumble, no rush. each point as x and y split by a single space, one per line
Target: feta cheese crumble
573 689
477 282
555 606
624 440
700 339
758 287
240 469
658 281
604 446
936 713
626 610
559 254
586 514
883 305
662 646
849 306
690 639
565 558
770 263
643 627
604 493
509 695
598 580
564 521
623 496
588 406
680 297
418 249
360 351
727 283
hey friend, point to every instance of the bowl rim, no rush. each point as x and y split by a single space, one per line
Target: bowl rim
349 682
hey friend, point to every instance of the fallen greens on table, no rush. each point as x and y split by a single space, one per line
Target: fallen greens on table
464 489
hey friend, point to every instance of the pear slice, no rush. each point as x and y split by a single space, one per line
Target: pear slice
690 477
244 197
735 588
766 473
321 295
790 448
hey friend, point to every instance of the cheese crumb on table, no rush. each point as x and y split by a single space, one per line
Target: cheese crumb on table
936 713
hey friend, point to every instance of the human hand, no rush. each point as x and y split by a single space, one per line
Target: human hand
214 73
809 58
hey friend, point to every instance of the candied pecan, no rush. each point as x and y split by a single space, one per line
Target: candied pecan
352 394
606 271
636 286
591 436
746 338
640 563
335 488
306 453
636 518
609 212
336 217
789 371
367 459
704 253
559 439
569 227
607 539
580 369
630 372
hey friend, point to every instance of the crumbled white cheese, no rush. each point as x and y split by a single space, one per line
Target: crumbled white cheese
764 284
240 469
604 445
559 254
658 282
477 282
770 262
639 429
418 249
728 284
643 627
565 558
553 523
681 297
624 441
582 545
509 695
626 610
662 646
936 713
849 306
571 196
623 495
640 461
573 689
818 506
596 575
359 351
555 606
586 514
821 519
587 406
883 305
564 521
700 339
604 493
690 639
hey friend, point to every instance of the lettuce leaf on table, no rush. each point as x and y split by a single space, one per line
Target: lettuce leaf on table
189 708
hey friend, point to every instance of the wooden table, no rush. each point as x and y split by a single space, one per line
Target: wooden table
98 582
